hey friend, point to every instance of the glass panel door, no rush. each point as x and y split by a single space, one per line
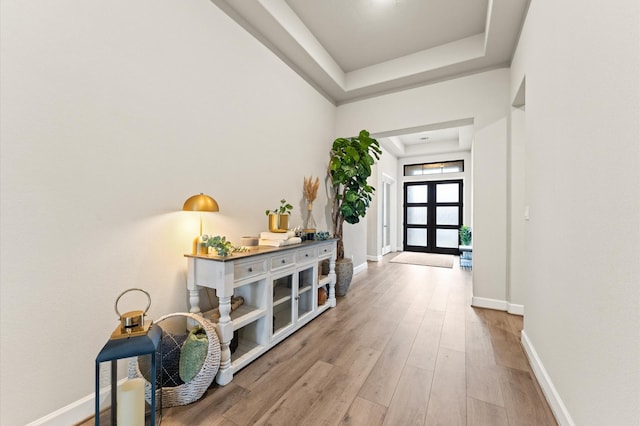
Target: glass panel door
305 291
432 216
282 303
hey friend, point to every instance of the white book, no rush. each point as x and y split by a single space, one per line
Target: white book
272 243
279 243
277 235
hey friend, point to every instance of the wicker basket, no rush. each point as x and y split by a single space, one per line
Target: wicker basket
193 390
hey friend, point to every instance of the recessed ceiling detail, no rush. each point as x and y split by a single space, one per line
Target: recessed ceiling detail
355 49
379 32
435 139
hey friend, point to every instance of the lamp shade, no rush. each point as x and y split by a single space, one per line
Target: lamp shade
200 203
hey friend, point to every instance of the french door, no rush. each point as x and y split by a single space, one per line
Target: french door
432 216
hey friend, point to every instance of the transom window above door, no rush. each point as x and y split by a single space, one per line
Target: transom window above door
434 168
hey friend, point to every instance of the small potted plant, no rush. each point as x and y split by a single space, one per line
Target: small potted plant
279 217
221 245
465 246
465 235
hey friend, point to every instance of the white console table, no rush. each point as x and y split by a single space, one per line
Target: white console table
280 291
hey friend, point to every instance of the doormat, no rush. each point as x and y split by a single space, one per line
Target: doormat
425 259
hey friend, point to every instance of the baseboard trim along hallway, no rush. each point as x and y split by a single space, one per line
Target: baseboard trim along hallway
551 394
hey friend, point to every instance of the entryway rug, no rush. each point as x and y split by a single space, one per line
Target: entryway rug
426 259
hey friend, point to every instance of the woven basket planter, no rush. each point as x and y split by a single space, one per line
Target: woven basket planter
193 390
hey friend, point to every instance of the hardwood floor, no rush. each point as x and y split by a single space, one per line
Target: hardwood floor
404 347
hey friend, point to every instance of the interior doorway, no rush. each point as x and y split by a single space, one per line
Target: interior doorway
386 214
432 216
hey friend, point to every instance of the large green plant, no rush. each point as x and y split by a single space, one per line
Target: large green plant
349 167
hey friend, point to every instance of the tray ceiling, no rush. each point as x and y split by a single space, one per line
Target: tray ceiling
354 49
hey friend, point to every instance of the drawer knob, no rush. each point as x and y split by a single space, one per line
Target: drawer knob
284 261
306 255
250 269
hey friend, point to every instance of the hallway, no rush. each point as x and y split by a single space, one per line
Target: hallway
403 347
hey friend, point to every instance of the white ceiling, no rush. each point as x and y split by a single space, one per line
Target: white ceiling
354 49
379 31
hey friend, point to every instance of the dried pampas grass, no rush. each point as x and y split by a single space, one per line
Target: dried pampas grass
311 188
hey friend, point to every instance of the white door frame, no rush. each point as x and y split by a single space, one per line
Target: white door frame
386 223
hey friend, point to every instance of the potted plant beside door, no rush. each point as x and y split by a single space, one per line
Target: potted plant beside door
349 168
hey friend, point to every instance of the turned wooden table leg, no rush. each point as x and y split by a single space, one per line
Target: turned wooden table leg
225 334
332 284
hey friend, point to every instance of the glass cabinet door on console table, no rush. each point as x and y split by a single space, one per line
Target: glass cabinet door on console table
280 288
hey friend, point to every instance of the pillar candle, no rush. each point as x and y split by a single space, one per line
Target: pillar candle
131 403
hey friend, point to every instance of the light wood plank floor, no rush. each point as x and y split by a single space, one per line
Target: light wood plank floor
404 347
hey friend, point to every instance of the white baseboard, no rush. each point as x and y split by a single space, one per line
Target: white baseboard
515 309
498 305
71 414
360 268
551 394
77 411
374 258
483 302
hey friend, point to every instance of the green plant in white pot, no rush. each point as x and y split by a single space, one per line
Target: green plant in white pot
349 168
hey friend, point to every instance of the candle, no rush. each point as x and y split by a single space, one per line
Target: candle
131 403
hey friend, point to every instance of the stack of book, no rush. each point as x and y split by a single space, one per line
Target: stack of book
278 239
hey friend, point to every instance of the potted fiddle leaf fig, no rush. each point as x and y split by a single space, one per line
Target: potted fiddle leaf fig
349 168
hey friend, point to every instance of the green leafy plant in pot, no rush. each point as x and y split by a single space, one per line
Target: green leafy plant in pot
349 168
465 235
279 217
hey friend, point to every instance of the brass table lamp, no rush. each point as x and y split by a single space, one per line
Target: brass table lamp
200 203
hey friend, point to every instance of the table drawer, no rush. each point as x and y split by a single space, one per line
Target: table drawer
325 250
249 269
305 255
282 261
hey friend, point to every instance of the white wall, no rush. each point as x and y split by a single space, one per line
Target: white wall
374 215
484 98
388 168
516 210
582 295
385 169
112 115
490 216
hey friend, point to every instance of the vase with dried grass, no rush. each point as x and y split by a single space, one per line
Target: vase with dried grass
310 193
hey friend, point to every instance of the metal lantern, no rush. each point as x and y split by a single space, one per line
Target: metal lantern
130 401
